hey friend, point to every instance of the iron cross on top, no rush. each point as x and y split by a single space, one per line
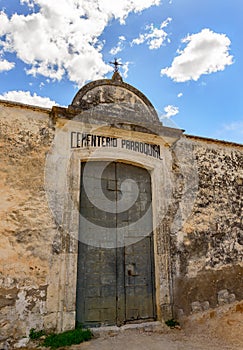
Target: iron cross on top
116 65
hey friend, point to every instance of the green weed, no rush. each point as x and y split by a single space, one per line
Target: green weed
172 323
34 335
67 338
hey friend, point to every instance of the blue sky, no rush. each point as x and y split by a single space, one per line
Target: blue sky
186 56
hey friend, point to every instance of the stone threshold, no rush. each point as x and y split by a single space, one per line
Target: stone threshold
153 326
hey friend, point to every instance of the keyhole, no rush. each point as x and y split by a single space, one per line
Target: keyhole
129 272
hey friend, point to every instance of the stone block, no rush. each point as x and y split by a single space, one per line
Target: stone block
196 306
5 345
50 321
179 313
223 297
69 319
205 305
21 343
232 298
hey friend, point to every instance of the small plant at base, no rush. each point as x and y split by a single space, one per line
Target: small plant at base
172 323
67 338
34 335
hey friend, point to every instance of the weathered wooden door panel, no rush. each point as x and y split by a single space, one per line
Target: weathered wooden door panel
96 294
115 285
139 280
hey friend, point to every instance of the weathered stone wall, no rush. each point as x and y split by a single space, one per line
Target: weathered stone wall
27 227
202 226
207 251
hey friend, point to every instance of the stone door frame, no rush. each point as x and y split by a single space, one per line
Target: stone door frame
161 186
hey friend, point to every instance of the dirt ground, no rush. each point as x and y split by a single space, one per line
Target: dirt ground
134 340
219 329
214 330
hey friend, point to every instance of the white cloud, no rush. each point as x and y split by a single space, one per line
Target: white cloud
234 126
206 52
232 131
6 65
119 47
155 37
125 68
170 111
27 98
58 40
180 94
29 3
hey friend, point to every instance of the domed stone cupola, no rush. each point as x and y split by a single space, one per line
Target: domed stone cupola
116 104
113 100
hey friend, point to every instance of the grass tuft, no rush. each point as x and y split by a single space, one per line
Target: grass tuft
172 323
67 338
34 335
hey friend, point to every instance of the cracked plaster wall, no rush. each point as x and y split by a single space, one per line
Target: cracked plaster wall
207 251
203 224
27 228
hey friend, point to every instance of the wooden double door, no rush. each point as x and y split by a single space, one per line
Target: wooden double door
115 280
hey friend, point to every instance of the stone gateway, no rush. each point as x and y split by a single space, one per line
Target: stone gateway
108 217
115 285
